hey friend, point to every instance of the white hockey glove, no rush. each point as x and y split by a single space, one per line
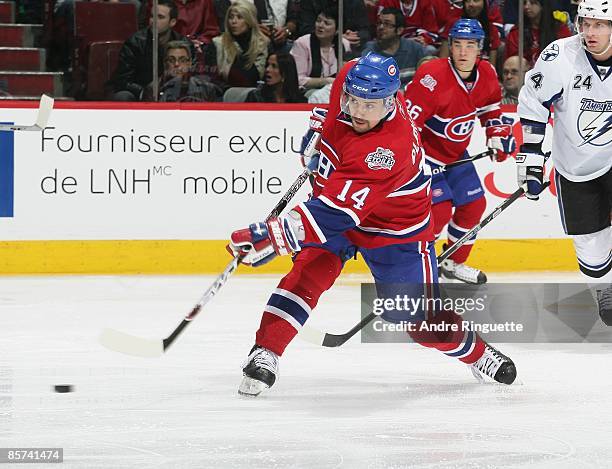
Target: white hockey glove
500 138
530 169
310 141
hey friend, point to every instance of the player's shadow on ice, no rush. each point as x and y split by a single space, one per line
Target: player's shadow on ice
346 397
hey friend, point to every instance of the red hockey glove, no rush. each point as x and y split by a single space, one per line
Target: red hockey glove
500 138
262 242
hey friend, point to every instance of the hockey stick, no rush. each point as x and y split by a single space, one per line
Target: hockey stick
141 347
44 112
443 169
327 339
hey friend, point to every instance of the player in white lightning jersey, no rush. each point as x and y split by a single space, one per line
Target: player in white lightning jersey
574 75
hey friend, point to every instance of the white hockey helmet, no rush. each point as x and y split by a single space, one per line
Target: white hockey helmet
598 9
595 9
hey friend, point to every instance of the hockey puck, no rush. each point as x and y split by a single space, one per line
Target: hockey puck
63 388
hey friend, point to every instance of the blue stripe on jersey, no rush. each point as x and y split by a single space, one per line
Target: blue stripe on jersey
454 232
547 104
596 68
600 266
535 127
288 306
405 234
469 341
419 180
436 125
330 221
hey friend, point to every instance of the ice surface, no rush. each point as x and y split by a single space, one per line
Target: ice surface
358 406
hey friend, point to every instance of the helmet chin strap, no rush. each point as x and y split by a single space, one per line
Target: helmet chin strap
584 45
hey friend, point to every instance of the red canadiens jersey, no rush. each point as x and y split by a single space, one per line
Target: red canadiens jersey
494 28
495 21
373 187
445 108
419 18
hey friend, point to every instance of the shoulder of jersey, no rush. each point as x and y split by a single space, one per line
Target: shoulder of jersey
434 66
487 69
565 49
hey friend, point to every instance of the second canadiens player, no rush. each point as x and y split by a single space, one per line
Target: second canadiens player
444 99
371 195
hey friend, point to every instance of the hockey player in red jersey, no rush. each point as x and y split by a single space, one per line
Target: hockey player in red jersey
372 196
444 98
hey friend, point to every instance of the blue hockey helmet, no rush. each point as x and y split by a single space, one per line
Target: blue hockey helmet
467 28
373 77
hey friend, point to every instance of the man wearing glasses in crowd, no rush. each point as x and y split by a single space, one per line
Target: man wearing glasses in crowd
390 43
511 79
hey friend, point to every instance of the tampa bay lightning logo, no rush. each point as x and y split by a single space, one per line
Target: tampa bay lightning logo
595 122
550 53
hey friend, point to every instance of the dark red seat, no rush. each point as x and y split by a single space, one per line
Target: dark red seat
101 63
98 22
7 12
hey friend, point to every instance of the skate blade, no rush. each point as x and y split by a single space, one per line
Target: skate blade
482 380
250 387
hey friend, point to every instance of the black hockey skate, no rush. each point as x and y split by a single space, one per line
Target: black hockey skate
495 365
604 303
259 371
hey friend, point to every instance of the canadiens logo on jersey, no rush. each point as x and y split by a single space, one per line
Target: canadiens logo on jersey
595 122
458 129
380 159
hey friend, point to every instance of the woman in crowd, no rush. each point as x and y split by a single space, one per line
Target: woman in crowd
316 54
277 20
238 56
542 26
280 81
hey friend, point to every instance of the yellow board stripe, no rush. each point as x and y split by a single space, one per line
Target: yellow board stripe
210 257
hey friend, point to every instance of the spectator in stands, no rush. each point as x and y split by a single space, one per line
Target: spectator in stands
542 26
60 40
424 60
446 11
316 54
512 80
356 27
479 10
390 43
280 82
277 20
196 20
179 83
419 20
238 56
510 11
135 68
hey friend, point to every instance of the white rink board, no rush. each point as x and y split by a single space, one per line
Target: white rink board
92 206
